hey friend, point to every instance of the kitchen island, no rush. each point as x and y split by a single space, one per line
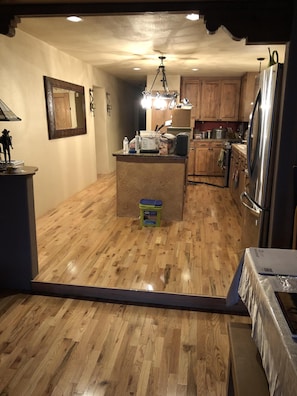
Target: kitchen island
151 176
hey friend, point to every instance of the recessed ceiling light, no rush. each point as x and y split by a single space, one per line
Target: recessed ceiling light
136 68
193 16
74 18
195 69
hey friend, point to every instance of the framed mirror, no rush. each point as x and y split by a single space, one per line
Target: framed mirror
65 106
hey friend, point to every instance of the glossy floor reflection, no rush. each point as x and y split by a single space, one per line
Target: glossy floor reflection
83 242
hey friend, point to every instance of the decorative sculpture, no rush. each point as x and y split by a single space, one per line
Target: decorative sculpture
6 142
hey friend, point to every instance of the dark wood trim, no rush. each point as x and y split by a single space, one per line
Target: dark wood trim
266 21
140 297
53 133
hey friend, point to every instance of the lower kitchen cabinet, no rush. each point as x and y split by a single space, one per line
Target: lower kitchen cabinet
203 158
202 154
238 177
191 159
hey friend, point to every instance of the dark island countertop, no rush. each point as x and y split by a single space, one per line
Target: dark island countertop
149 157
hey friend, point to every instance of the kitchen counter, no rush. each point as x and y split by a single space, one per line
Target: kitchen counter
242 148
150 157
151 176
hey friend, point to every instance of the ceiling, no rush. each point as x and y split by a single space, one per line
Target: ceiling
118 43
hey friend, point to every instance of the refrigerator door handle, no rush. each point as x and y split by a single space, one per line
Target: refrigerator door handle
250 205
250 153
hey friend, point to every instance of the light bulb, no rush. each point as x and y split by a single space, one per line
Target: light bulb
146 102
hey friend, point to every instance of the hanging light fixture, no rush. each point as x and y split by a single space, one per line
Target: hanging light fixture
260 60
159 100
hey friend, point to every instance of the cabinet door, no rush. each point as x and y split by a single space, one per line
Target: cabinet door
192 91
159 117
234 175
191 159
242 180
247 95
210 100
237 178
214 154
230 91
201 159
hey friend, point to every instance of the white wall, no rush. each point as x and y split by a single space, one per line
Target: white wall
67 165
122 120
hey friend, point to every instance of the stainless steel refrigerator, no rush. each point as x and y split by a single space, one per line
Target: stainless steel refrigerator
262 153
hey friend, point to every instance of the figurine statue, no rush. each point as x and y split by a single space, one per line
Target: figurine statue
5 140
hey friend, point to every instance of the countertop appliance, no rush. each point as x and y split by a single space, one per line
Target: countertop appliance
263 144
149 142
176 130
182 144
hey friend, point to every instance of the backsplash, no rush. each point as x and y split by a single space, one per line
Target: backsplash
201 126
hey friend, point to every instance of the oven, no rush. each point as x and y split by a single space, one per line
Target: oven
226 162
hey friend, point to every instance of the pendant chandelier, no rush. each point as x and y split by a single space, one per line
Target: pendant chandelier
159 100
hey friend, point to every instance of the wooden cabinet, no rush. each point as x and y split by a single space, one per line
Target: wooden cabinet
215 152
229 101
238 177
213 99
247 95
159 117
205 155
192 90
210 92
201 158
191 159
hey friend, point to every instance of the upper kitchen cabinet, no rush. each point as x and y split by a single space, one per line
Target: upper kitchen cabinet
247 95
214 99
211 97
220 99
159 117
191 89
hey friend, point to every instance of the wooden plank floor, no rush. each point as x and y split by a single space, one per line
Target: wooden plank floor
83 242
56 346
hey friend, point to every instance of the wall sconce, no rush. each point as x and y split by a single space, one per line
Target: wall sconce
92 103
108 103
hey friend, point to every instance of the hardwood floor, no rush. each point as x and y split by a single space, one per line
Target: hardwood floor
57 346
65 346
83 242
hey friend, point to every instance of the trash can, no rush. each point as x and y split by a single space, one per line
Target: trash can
150 212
